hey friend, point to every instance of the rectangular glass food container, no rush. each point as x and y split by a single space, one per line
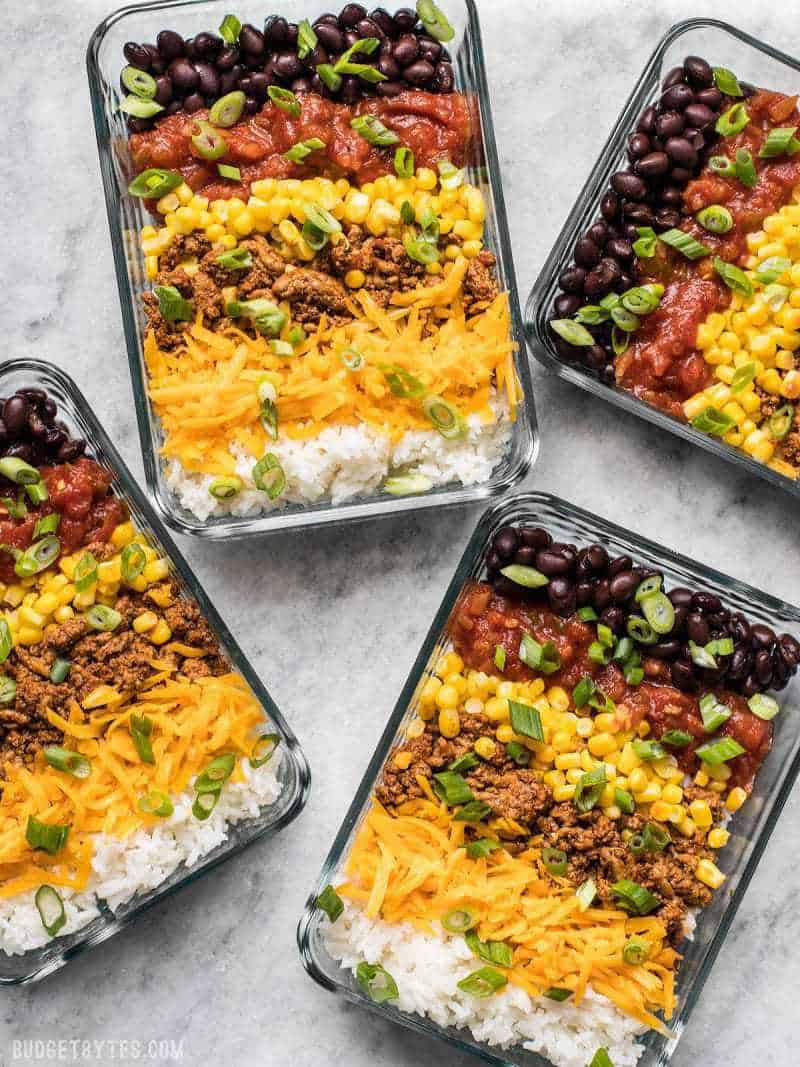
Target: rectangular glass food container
293 770
751 826
126 216
754 62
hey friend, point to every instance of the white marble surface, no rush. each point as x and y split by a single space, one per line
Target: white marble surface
333 619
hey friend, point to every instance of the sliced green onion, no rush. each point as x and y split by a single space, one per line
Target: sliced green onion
648 750
776 296
727 82
133 561
37 492
139 108
101 617
641 630
659 612
226 488
264 749
771 269
296 335
634 898
38 556
269 476
519 753
458 921
702 656
620 340
572 332
583 691
723 166
404 163
636 845
586 892
713 712
745 168
557 994
625 319
721 646
634 675
155 803
715 218
528 577
376 982
306 39
605 635
734 277
642 299
229 29
330 77
330 902
482 983
225 170
624 650
655 837
204 804
51 909
268 417
636 951
208 142
65 760
302 149
732 121
216 773
8 689
497 952
47 524
720 751
407 484
6 640
60 670
763 706
474 811
228 109
500 657
447 419
17 509
422 251
450 176
780 141
592 315
602 702
589 787
464 763
17 470
480 849
452 788
434 21
601 1058
676 738
624 801
172 305
50 837
587 614
555 861
139 82
645 246
154 183
526 720
742 377
713 421
544 658
266 316
351 358
599 653
780 421
141 727
285 100
85 574
373 130
401 383
684 243
345 63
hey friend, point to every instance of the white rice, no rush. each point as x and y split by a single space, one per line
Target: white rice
427 970
344 462
122 867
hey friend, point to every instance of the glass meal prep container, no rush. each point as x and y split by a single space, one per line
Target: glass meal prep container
750 828
292 773
752 61
127 216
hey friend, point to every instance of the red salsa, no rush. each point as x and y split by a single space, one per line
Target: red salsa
481 621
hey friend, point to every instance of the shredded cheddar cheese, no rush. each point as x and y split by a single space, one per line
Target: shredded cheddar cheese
411 868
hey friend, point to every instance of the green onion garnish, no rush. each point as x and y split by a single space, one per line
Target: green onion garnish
525 576
713 421
641 630
172 305
519 753
219 770
401 383
589 788
771 269
776 296
458 921
8 689
583 691
285 100
140 108
720 751
227 110
229 29
601 1058
734 277
648 750
500 657
655 838
100 617
226 488
38 556
50 837
306 39
624 801
727 82
572 332
481 848
497 952
330 902
659 612
587 614
745 168
645 246
420 250
780 421
299 151
713 713
702 656
483 983
133 561
154 183
17 470
763 707
434 21
642 299
676 738
345 63
407 211
464 763
404 163
407 484
526 720
225 170
15 508
376 982
65 760
373 130
586 892
6 640
636 951
141 727
742 377
51 909
155 803
85 574
204 804
474 811
634 898
723 166
446 418
269 476
544 658
732 121
452 788
684 243
208 142
600 653
780 141
330 77
625 319
264 749
647 587
555 861
605 635
555 993
47 524
715 218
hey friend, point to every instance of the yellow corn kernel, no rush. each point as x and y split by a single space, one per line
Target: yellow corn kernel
29 635
718 838
402 760
770 380
601 744
665 767
587 762
790 386
496 709
563 792
557 698
709 874
506 689
430 689
458 682
720 773
661 810
64 612
605 722
544 753
701 778
426 178
561 741
568 761
122 534
650 793
354 279
447 697
574 774
156 571
473 706
485 747
643 729
14 594
628 761
160 633
607 797
450 663
687 827
505 733
584 728
145 622
46 604
672 794
110 570
735 799
701 813
553 779
416 729
29 617
449 723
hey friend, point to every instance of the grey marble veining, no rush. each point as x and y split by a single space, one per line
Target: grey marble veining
333 619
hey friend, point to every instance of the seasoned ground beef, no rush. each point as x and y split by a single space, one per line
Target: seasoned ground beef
312 294
384 262
480 284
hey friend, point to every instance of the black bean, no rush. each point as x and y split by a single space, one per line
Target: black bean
697 628
20 450
615 618
598 281
623 586
586 252
228 58
561 595
618 565
750 685
184 77
259 86
710 97
706 602
761 636
698 72
350 90
419 73
276 30
790 650
506 542
596 357
667 218
671 195
429 49
386 65
628 185
676 98
598 557
493 562
669 124
583 593
647 121
193 103
299 85
506 588
673 77
170 44
206 45
288 65
330 37
350 38
552 562
525 556
609 206
700 116
15 414
739 664
638 145
653 165
665 649
315 58
683 676
406 49
680 175
351 14
601 597
681 152
406 19
566 305
381 17
158 64
208 77
367 28
388 88
189 49
174 107
598 232
163 90
444 79
763 666
535 536
695 138
137 55
229 81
